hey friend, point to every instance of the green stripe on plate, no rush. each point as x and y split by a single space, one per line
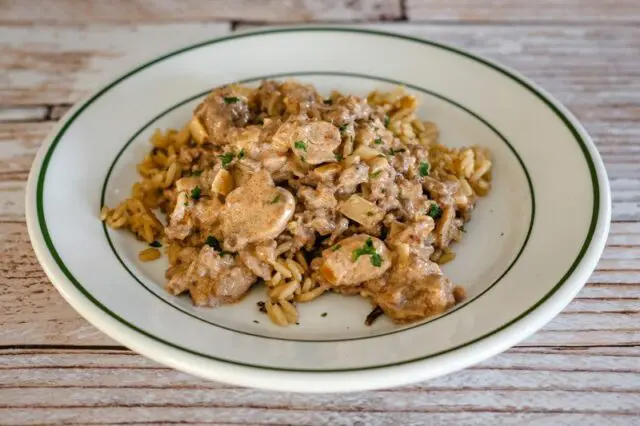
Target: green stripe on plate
533 90
337 74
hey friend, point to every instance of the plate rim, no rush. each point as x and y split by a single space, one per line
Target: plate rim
492 342
294 74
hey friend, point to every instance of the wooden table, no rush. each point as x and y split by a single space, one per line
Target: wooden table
582 368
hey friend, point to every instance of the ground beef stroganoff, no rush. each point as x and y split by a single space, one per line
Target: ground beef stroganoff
306 194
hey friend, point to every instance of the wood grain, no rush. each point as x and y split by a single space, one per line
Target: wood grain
582 368
78 385
604 313
519 11
96 11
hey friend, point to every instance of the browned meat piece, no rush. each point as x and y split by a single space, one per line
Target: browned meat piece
354 260
256 211
298 98
220 111
258 259
442 192
212 279
415 234
346 110
403 161
188 212
319 198
353 176
412 200
303 234
405 300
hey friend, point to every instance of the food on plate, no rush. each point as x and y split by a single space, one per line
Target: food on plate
278 184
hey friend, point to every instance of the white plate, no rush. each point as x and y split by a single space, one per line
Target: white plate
530 247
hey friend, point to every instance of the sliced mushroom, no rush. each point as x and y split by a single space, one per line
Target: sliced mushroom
223 182
362 211
354 260
255 211
314 143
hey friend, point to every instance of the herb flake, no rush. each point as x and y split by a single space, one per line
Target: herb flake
378 141
424 169
155 244
387 120
367 249
275 199
231 99
336 247
196 172
300 145
195 193
339 157
343 127
226 158
375 174
324 314
241 154
434 211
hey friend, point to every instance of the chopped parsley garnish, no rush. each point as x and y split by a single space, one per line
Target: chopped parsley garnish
155 244
231 100
196 172
435 211
343 127
338 157
424 169
367 249
324 314
226 158
375 174
256 321
328 101
378 141
241 154
386 121
300 145
275 199
195 193
336 247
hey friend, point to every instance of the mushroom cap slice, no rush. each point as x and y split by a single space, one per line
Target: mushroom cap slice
255 211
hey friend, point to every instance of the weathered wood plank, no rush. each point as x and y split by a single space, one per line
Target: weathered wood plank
54 65
605 313
519 11
154 11
546 383
588 66
269 416
24 113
